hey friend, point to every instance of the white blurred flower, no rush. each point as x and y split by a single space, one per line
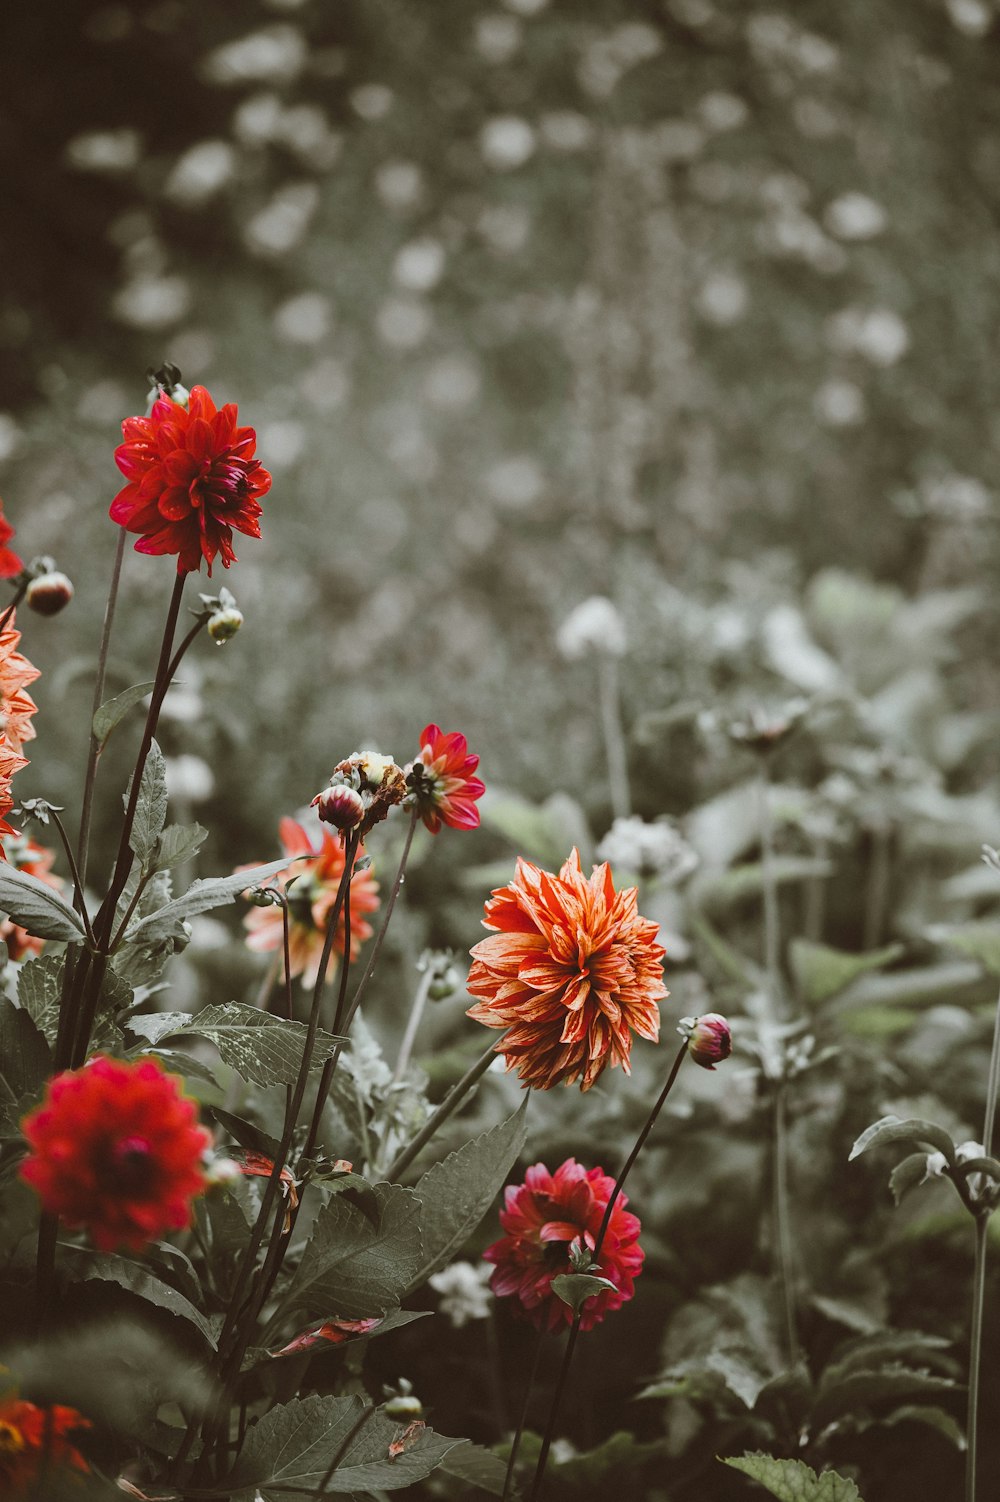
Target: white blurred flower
452 383
721 111
105 150
814 54
566 130
201 172
282 223
839 404
465 1292
189 778
419 265
595 625
283 441
515 482
964 1151
497 38
399 184
183 704
723 299
258 119
10 436
956 498
305 130
100 402
878 334
506 227
403 322
192 350
645 850
855 216
325 385
971 17
715 182
152 302
304 319
372 101
275 54
507 142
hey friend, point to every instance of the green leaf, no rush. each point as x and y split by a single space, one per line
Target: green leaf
112 711
24 1061
81 1266
862 1389
39 990
476 1467
150 807
353 1269
200 897
980 941
914 1129
290 1449
794 1481
37 907
264 1049
932 1417
457 1193
176 843
576 1288
820 972
907 1175
716 892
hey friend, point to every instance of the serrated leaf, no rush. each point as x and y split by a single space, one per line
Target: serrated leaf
156 1025
263 1048
475 1466
353 1269
39 991
576 1288
914 1129
37 907
244 1132
176 843
457 1193
201 897
290 1449
793 1480
24 1061
113 711
150 806
861 1389
80 1266
821 972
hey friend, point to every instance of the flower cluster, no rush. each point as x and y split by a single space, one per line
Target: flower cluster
570 971
362 790
34 1447
116 1149
310 886
544 1220
192 480
441 782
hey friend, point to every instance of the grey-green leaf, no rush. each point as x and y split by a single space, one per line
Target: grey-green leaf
178 842
201 897
821 972
907 1175
457 1193
81 1266
150 807
794 1481
264 1049
37 907
354 1269
39 991
112 711
576 1288
914 1129
24 1060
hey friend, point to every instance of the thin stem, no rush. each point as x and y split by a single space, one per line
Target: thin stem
413 1022
814 907
769 887
975 1354
877 887
376 948
782 1222
515 1443
78 901
992 1086
574 1332
175 661
94 754
22 590
450 1103
327 1073
614 734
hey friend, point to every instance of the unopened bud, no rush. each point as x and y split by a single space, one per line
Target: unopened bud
49 593
709 1038
340 805
224 624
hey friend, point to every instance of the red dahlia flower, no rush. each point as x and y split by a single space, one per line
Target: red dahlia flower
33 1446
192 481
25 855
116 1150
10 563
441 781
311 886
571 972
542 1219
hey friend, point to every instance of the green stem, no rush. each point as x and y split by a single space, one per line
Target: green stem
877 887
574 1332
449 1105
94 754
769 886
975 1354
78 901
413 1022
782 1222
22 590
515 1443
992 1086
376 948
614 734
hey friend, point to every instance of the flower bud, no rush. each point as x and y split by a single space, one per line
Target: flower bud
49 593
340 805
224 624
709 1038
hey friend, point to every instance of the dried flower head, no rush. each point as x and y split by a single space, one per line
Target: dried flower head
571 971
381 784
441 782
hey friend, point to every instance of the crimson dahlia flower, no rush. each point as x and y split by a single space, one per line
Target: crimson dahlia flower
10 563
441 781
571 971
192 481
311 885
116 1149
33 1446
542 1219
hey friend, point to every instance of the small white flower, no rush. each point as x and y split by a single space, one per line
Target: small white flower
189 778
201 172
855 216
419 265
656 849
966 1150
275 54
936 1165
465 1291
304 319
507 142
595 625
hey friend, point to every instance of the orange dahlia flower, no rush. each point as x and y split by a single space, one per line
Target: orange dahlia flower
26 855
192 481
16 706
33 1447
311 885
571 971
10 762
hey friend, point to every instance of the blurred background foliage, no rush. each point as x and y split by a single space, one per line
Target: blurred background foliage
691 305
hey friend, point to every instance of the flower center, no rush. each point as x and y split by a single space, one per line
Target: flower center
131 1161
11 1438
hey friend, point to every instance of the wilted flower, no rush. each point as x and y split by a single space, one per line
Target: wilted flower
25 855
115 1148
464 1292
192 480
34 1447
593 626
441 783
570 971
657 849
709 1038
10 563
333 1332
379 781
544 1219
310 886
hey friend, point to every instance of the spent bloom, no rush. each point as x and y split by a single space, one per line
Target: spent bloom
310 885
709 1038
24 854
34 1447
441 781
570 971
116 1149
192 480
544 1221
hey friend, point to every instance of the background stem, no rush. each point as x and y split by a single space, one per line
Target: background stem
614 735
975 1354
